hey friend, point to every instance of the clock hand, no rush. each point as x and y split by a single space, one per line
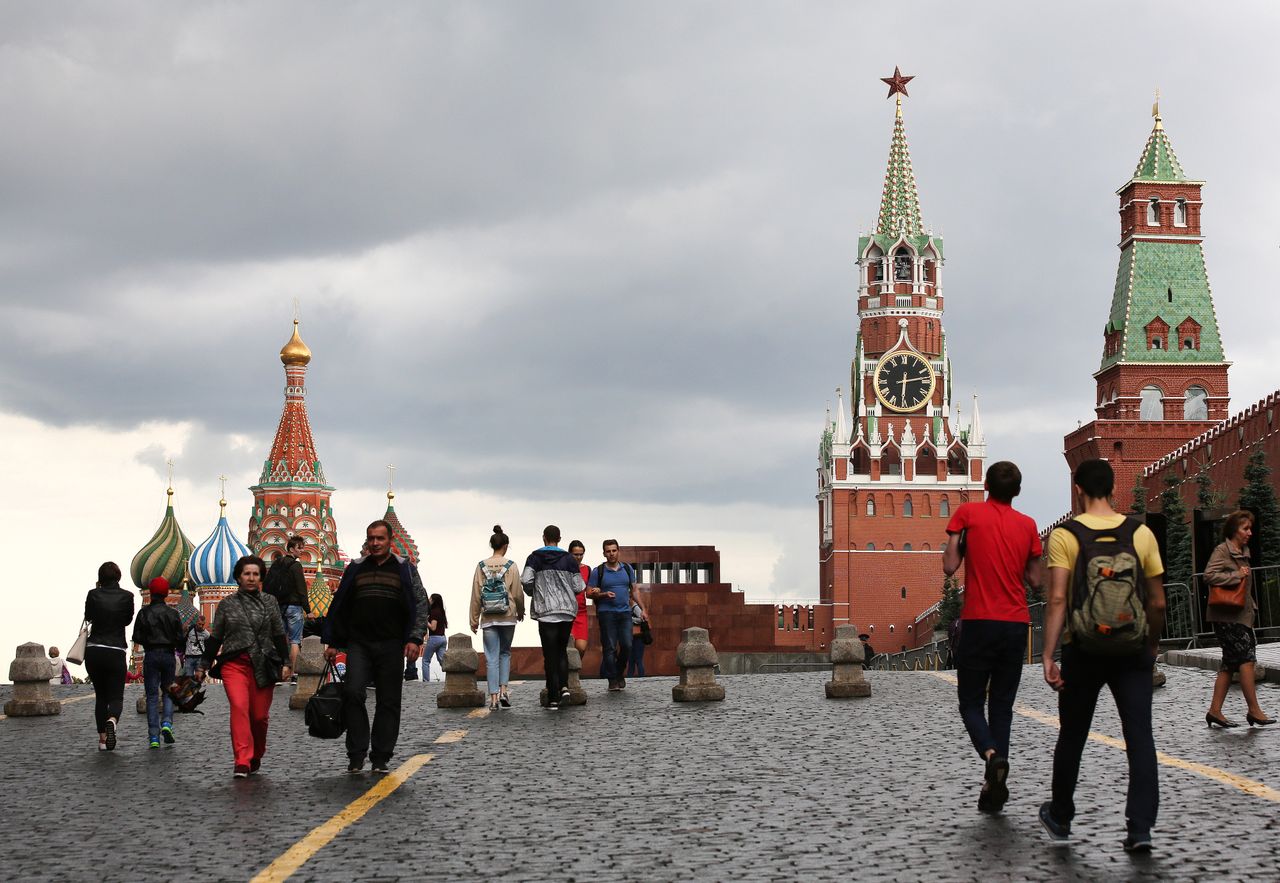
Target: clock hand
904 387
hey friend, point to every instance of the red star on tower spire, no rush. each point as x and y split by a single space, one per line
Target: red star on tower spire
897 83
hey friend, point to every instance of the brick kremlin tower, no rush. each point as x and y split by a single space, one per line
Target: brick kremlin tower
1163 377
291 496
889 479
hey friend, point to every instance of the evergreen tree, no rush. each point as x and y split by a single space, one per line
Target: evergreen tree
952 603
1207 499
1177 534
1259 497
1139 506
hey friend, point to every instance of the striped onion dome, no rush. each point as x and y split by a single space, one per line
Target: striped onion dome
401 543
186 610
165 554
213 560
320 595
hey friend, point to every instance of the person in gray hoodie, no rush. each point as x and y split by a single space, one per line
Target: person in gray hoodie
552 580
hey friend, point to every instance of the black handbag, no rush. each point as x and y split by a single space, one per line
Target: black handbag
323 712
646 633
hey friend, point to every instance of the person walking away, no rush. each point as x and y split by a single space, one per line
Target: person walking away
1001 556
1106 592
248 650
551 578
158 630
612 587
108 609
193 655
635 662
1233 625
437 641
61 673
497 604
580 630
378 617
287 583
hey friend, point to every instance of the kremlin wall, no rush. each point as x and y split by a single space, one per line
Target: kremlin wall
890 469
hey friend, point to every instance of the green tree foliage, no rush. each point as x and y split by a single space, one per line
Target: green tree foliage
1177 533
952 603
1139 506
1259 496
1207 499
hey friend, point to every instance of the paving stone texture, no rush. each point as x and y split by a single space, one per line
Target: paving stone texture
774 783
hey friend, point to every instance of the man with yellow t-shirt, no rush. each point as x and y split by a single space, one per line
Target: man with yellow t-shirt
1084 673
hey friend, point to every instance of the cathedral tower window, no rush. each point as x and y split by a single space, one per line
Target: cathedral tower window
902 265
1152 407
944 507
1180 212
1153 212
907 509
871 505
1195 405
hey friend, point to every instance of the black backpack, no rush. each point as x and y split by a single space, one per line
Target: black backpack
323 712
277 585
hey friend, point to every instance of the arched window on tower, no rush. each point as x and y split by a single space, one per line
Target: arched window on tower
1152 407
902 265
1153 212
1196 404
1180 212
944 507
871 505
907 509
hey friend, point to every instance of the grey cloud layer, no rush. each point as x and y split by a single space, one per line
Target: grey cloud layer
552 212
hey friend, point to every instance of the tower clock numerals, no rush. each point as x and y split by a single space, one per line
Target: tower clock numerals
904 381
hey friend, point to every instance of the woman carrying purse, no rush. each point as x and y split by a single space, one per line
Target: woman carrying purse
109 610
249 632
1228 568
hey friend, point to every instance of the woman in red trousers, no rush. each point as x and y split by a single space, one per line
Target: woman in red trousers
249 632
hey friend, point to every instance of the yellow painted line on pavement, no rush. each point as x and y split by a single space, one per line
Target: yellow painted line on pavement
479 712
1248 786
298 854
61 701
450 736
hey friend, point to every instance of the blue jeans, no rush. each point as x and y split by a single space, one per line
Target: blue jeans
190 664
989 656
497 655
615 641
635 665
157 675
434 647
293 618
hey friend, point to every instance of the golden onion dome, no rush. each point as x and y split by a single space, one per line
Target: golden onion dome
295 352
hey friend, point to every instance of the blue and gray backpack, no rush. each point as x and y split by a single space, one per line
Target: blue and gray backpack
493 591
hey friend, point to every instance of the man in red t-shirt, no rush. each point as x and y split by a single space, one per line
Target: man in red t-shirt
1001 551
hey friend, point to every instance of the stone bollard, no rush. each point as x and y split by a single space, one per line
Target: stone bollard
1158 678
310 668
577 695
847 656
460 666
697 659
29 672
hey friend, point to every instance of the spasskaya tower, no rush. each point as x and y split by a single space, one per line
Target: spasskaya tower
893 469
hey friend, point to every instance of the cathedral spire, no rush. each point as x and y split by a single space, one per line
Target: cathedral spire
842 428
1158 161
900 201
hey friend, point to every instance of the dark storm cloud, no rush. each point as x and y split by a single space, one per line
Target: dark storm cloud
562 249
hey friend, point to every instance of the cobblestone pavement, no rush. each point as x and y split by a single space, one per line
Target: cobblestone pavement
1210 658
775 783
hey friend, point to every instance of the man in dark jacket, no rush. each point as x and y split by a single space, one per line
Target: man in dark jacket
288 585
378 616
158 629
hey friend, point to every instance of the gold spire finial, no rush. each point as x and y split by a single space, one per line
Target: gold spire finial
1155 111
222 502
169 490
391 475
897 111
295 352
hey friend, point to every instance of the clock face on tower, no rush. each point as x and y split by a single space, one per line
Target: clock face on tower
904 381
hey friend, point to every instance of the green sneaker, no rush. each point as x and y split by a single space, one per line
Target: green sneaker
166 733
155 743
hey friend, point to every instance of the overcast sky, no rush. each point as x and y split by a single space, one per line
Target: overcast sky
589 263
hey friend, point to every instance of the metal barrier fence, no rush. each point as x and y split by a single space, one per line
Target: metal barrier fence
936 655
1266 596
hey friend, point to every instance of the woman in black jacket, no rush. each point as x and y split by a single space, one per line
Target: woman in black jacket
109 610
247 641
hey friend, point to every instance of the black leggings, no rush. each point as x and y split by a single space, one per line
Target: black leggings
555 658
106 668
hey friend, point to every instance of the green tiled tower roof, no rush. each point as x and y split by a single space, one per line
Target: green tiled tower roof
900 201
1158 161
